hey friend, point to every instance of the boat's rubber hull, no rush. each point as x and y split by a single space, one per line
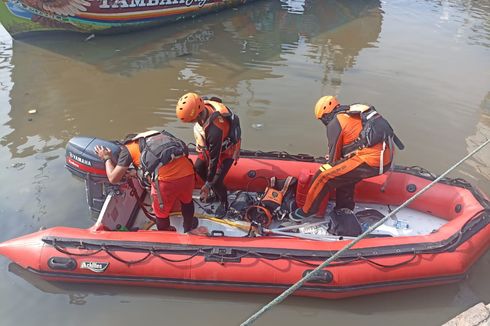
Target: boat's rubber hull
271 264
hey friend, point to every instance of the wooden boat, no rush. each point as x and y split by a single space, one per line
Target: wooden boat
434 241
20 17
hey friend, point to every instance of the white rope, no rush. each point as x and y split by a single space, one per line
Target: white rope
298 284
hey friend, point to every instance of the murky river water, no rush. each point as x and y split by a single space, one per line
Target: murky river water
424 64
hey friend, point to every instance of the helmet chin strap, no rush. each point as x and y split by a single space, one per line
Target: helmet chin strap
202 117
327 117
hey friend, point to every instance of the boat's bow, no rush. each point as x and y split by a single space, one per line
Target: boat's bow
24 250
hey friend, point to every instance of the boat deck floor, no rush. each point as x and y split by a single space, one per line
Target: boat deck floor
406 222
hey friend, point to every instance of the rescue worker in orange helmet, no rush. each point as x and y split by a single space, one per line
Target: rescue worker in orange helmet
173 180
351 158
218 139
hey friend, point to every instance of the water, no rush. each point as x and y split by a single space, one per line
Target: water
423 64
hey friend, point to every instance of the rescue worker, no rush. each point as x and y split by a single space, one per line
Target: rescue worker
173 181
217 132
350 159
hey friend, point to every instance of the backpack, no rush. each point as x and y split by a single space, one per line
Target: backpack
375 129
235 133
158 150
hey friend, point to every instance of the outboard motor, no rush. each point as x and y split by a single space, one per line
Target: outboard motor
82 162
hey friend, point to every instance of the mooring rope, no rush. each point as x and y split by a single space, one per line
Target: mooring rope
303 280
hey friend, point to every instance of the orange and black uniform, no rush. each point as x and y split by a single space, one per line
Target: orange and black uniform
218 156
175 180
344 170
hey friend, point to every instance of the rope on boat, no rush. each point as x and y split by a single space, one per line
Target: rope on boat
140 201
154 252
303 280
271 155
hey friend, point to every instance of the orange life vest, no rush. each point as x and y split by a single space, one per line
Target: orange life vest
221 116
351 128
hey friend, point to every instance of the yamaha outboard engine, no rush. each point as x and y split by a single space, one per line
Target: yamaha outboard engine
82 162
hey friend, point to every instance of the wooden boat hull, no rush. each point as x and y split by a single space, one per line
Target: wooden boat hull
270 264
22 17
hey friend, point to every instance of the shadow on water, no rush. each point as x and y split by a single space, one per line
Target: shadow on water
255 32
80 293
451 296
79 86
481 161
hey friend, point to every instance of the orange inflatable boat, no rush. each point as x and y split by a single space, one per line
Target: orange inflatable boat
435 240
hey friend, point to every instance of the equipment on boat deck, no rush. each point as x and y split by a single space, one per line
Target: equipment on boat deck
277 202
344 222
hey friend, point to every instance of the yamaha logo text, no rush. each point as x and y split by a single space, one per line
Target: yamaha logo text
79 159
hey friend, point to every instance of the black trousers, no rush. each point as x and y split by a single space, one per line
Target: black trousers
190 222
218 187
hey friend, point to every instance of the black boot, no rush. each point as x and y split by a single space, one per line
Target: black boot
190 222
163 224
221 210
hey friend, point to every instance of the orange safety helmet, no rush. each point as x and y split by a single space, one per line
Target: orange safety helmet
325 105
190 105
